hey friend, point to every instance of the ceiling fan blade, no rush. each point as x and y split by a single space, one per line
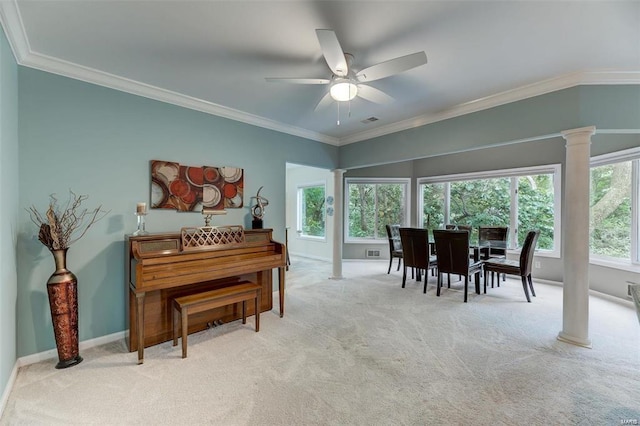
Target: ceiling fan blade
333 53
392 66
374 95
298 80
324 102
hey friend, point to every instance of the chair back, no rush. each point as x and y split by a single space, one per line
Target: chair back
393 233
452 251
415 247
528 248
496 236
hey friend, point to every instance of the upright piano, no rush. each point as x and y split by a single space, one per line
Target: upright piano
159 268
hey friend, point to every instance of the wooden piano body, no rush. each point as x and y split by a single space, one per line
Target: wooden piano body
158 270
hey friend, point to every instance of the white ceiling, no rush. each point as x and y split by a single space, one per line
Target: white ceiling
214 55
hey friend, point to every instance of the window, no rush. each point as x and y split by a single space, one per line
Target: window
311 218
521 199
372 204
614 207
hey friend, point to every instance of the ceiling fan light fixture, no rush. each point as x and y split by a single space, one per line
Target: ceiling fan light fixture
343 90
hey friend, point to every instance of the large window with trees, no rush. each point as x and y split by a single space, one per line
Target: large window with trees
614 206
522 199
371 204
311 218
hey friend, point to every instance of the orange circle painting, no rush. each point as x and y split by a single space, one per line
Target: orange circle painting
230 190
179 188
195 176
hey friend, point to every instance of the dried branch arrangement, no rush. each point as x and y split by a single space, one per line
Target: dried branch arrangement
62 226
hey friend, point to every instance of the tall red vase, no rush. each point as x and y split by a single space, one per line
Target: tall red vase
62 288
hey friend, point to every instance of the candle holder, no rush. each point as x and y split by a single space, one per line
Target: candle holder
141 227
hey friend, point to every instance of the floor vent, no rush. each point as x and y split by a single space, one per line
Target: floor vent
369 120
372 253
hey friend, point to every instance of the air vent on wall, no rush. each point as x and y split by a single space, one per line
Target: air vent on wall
372 253
369 120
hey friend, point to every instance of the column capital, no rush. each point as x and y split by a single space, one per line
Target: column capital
338 171
582 131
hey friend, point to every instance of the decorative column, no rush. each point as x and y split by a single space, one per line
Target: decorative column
338 223
575 311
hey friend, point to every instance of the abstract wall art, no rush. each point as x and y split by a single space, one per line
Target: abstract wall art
190 188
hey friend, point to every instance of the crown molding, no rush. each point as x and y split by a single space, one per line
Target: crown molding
506 97
11 21
14 29
101 78
19 42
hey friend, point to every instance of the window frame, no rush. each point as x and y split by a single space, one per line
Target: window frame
513 174
633 262
299 210
373 181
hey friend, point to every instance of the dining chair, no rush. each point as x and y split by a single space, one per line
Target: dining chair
521 267
452 252
495 237
415 253
395 245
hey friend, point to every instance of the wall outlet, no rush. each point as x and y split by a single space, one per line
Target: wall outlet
536 264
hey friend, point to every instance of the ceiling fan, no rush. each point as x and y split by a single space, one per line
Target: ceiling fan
346 83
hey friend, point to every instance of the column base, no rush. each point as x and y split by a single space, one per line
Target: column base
585 343
336 277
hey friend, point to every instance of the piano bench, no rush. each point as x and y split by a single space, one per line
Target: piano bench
207 300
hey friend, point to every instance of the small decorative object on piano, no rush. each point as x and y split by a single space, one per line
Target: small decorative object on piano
207 212
141 212
257 211
208 237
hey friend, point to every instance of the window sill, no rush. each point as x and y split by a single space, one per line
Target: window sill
311 238
364 241
615 264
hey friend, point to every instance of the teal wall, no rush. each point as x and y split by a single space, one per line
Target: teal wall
8 209
606 107
98 141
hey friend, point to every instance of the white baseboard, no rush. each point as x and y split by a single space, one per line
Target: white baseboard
52 353
624 302
309 256
8 388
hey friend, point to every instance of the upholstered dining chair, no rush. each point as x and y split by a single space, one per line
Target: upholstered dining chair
416 253
395 245
452 252
521 267
496 238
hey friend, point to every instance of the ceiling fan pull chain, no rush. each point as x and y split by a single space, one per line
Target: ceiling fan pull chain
338 113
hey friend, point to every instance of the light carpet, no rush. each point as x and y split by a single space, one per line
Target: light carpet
360 351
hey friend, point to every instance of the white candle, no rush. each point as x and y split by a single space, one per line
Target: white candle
141 208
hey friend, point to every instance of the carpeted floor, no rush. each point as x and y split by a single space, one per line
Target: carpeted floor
360 351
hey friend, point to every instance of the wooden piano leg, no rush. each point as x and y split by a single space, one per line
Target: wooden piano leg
140 320
281 289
